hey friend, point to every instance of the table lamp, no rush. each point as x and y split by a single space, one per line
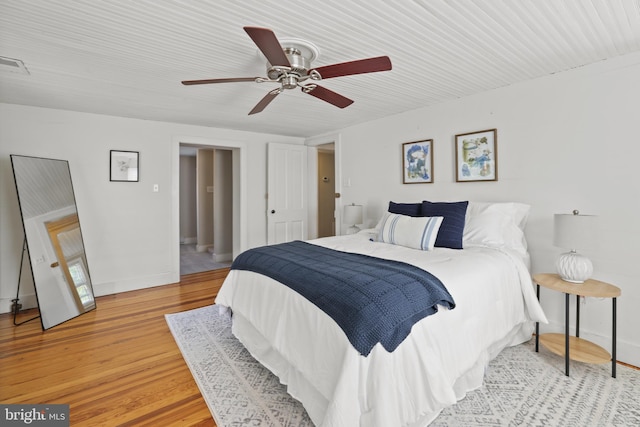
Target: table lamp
353 216
574 231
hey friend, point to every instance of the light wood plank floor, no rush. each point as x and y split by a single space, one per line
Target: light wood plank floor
115 366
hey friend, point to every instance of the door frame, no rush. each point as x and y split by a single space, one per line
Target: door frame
312 181
239 159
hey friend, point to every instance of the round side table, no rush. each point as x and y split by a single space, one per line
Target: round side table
574 347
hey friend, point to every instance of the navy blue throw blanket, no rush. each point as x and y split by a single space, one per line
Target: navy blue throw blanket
372 299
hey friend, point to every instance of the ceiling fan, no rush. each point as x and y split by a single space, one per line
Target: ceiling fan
291 67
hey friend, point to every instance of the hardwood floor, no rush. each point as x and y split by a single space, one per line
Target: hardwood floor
117 365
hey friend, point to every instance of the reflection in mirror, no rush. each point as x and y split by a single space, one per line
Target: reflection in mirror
54 238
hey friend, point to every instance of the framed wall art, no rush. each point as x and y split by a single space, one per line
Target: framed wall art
124 166
477 156
417 162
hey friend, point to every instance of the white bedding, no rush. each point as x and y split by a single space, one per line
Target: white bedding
443 358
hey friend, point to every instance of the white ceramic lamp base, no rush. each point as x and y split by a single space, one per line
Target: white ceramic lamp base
573 267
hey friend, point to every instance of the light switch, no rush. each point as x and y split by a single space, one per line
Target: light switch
155 188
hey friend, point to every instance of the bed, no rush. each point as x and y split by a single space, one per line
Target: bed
446 353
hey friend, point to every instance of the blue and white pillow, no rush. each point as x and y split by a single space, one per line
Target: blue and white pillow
413 232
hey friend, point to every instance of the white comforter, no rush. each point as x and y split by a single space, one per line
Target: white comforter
443 358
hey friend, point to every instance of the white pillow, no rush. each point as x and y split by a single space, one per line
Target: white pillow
496 225
412 232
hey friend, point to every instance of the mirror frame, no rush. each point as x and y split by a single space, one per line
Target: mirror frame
50 225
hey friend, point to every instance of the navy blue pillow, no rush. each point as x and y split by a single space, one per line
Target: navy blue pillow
452 228
409 209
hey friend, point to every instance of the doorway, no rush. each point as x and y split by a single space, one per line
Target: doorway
205 211
328 205
326 190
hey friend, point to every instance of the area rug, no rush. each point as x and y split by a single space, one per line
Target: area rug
521 388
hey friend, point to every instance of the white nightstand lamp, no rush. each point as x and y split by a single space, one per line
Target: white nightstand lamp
574 231
352 216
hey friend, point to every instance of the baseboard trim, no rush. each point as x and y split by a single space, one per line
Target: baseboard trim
222 257
28 301
110 288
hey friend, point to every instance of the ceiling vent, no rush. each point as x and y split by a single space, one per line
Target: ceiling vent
12 65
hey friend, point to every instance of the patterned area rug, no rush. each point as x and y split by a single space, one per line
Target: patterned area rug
521 388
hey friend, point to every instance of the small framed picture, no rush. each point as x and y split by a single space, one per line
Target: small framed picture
124 166
477 156
417 162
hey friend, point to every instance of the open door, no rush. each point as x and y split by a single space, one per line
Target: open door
287 193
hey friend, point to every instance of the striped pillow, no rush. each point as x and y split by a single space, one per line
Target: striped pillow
412 232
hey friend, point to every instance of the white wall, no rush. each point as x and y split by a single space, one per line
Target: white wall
565 142
131 234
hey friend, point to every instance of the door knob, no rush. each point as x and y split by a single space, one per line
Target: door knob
273 211
55 264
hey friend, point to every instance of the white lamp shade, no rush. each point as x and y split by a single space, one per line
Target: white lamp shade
574 231
352 214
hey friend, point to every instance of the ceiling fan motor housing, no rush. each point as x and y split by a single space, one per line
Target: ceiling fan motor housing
297 72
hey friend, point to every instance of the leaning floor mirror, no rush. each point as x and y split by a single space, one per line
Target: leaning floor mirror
53 238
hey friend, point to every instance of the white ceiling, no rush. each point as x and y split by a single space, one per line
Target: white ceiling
127 58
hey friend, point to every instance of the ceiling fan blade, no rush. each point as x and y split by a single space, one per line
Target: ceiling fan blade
361 66
269 45
230 80
327 95
265 101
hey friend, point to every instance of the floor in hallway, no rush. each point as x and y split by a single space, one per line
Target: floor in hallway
192 261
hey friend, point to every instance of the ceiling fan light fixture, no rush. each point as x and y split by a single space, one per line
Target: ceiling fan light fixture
290 81
289 65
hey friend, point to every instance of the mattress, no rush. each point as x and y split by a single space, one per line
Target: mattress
442 359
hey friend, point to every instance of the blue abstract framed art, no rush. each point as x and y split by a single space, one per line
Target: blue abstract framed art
417 162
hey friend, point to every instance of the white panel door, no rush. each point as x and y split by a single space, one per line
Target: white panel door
287 195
